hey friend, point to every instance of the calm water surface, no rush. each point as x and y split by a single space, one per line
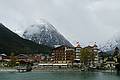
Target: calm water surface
59 76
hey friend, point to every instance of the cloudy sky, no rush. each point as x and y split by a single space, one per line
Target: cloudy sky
78 20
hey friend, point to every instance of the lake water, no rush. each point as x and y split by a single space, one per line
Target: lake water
59 76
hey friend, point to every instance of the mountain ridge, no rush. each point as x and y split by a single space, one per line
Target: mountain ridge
11 42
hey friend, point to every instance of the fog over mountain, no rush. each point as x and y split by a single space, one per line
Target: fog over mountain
45 33
111 44
78 20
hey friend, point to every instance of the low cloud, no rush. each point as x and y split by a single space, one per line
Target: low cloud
78 20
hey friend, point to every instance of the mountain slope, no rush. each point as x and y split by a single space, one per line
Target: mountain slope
46 34
111 44
11 42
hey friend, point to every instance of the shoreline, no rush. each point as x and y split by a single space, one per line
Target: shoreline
56 70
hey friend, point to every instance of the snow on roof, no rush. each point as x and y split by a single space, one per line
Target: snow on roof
3 54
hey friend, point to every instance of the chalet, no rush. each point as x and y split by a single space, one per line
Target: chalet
22 57
110 62
4 57
63 55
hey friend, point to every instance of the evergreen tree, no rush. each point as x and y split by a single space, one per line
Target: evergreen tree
116 52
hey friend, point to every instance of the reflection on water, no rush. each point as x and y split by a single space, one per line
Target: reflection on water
59 76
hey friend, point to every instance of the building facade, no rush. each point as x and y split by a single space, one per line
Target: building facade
77 54
94 57
63 55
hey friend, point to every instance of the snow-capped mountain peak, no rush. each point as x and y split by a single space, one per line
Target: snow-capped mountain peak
110 44
46 24
44 33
